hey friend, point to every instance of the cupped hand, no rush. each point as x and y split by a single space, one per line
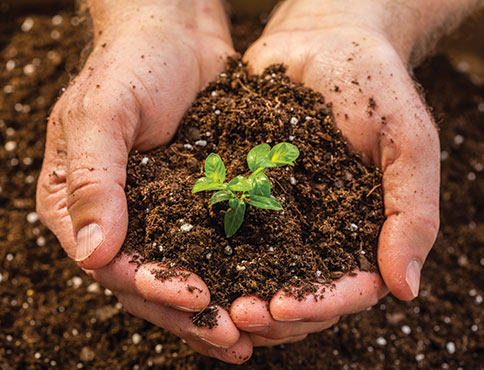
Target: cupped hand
145 69
380 113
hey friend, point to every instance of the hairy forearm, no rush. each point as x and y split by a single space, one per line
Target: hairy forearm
412 26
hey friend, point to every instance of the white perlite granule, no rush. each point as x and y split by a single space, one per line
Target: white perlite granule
186 227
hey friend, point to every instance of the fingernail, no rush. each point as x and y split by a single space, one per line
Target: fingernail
287 319
211 343
88 239
257 329
413 276
187 309
255 326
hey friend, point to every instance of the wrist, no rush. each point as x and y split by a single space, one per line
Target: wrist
408 26
110 17
366 17
106 14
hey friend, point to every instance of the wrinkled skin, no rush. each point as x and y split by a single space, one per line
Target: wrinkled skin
135 87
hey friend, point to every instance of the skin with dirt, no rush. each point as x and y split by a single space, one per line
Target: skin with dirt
53 315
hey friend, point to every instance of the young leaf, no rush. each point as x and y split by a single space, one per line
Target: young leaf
204 183
234 216
220 196
283 153
264 202
239 183
215 168
257 188
260 185
258 155
234 202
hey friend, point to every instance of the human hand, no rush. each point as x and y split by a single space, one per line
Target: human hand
343 50
148 62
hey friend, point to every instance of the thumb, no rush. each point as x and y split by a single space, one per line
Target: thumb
411 177
98 133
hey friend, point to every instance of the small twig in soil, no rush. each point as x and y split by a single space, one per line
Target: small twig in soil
182 154
373 189
246 88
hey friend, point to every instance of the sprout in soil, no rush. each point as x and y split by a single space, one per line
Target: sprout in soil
240 191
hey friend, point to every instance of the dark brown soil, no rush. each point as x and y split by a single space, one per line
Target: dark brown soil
53 316
332 203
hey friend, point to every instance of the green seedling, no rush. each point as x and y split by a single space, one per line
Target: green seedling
241 191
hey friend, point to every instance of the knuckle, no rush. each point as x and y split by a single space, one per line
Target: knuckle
79 100
81 183
63 104
86 107
49 198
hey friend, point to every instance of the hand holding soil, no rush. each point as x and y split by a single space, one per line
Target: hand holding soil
380 113
145 69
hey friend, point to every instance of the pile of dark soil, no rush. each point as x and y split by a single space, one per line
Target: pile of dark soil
332 203
53 316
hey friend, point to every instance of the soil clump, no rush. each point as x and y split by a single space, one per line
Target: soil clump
332 202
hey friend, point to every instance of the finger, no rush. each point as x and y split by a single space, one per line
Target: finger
223 335
252 315
258 341
51 192
186 291
350 294
411 198
239 353
98 141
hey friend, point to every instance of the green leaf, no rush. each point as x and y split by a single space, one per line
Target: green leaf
283 153
215 168
205 183
220 196
264 203
258 155
234 202
240 183
260 184
234 216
